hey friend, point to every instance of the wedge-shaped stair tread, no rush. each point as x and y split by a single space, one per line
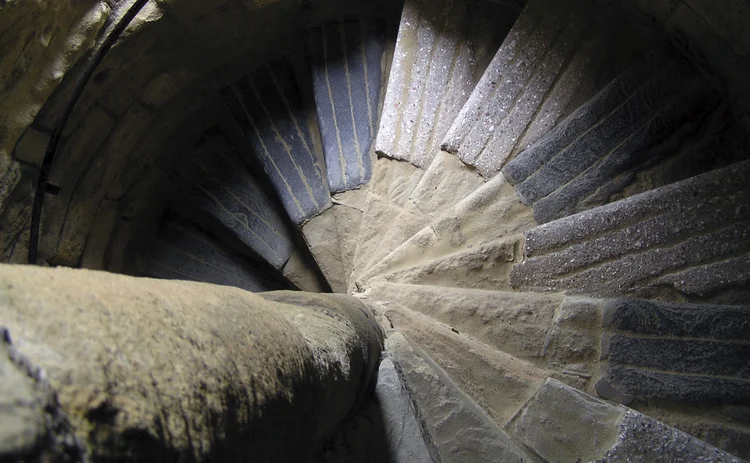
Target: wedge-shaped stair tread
655 241
684 352
345 60
634 121
434 71
217 182
268 106
565 425
515 84
460 429
182 251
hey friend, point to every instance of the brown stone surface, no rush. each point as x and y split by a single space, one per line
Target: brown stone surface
175 370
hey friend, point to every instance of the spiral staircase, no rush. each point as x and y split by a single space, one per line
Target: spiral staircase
544 204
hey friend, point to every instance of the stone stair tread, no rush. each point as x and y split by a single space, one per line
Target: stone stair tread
513 87
184 252
460 429
268 106
433 73
444 184
562 424
215 181
322 238
346 69
642 241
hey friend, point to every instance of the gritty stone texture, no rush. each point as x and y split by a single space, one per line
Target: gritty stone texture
628 246
348 208
321 236
159 370
345 62
446 182
301 275
215 181
654 441
461 431
268 106
406 439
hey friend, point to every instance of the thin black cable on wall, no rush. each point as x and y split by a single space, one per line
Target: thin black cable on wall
49 156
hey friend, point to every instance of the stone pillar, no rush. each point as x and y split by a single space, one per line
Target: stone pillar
108 367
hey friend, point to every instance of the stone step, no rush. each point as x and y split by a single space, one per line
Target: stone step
182 251
434 70
515 84
562 424
461 431
269 108
685 240
346 69
322 238
487 215
683 352
214 180
632 123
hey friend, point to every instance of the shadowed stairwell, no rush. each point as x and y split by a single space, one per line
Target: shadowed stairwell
404 231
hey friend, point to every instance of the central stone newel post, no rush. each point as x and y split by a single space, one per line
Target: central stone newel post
121 368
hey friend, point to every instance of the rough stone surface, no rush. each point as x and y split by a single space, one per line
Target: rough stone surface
268 106
406 438
345 61
158 370
446 182
301 275
631 245
322 237
461 431
348 208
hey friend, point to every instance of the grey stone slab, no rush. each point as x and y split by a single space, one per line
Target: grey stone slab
405 436
650 440
647 384
268 106
569 159
182 251
707 280
680 320
214 179
345 61
461 430
682 355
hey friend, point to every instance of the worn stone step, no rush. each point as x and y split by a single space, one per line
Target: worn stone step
638 245
461 430
487 215
434 70
182 251
516 83
214 180
346 69
685 352
322 238
562 424
269 108
643 126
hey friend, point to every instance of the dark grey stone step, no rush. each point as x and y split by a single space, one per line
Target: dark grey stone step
182 251
563 173
562 424
434 71
638 244
515 84
268 106
345 61
214 180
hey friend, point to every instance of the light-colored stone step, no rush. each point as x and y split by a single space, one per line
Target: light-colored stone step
268 106
434 70
461 430
562 424
688 239
489 214
321 235
346 68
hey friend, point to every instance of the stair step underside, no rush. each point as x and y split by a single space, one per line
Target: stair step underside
562 173
346 66
182 251
434 70
268 106
215 181
689 238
